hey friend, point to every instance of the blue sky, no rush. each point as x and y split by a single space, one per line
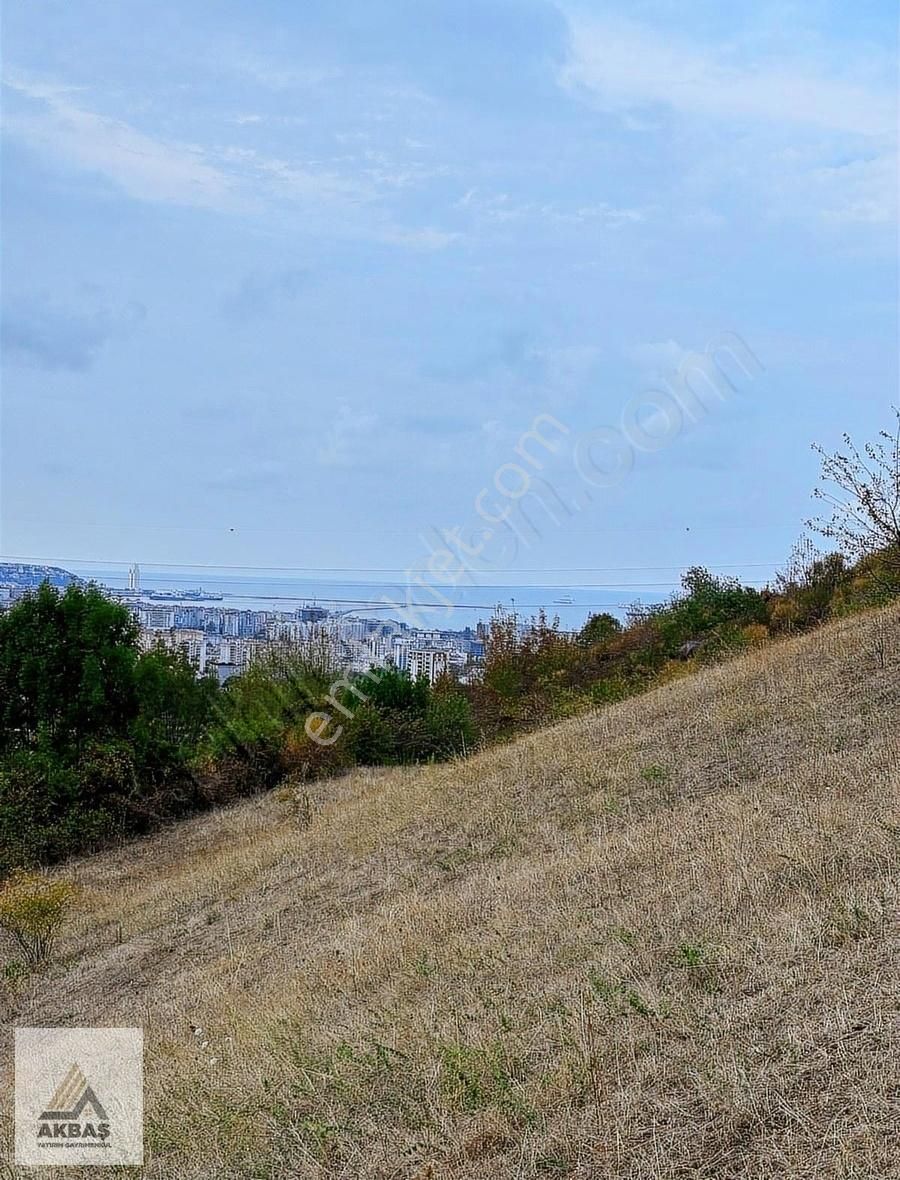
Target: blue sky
283 284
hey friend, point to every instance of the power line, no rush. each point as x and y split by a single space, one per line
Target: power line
332 569
413 530
434 606
365 603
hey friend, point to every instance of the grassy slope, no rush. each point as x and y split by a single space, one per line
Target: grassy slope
655 941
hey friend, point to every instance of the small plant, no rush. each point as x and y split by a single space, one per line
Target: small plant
655 774
699 961
848 923
689 955
617 996
297 804
425 966
552 1165
15 971
476 1077
32 910
455 858
623 935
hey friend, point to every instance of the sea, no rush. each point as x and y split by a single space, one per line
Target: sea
421 603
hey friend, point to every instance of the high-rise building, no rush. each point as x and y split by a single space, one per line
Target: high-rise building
427 662
134 579
399 652
158 618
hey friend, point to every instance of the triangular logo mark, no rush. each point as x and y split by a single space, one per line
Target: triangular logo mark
71 1097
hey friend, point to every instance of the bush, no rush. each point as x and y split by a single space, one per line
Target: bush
805 589
372 737
44 813
32 910
449 724
404 720
708 607
599 630
873 581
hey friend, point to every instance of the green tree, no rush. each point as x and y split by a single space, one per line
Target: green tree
599 629
67 670
96 739
174 710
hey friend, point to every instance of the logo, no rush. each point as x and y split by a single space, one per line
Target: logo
62 1118
79 1096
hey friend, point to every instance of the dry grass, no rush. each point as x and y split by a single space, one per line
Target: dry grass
656 941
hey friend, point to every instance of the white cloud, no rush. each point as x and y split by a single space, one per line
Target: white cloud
224 179
349 430
143 167
285 178
423 238
623 66
250 476
501 207
860 191
797 141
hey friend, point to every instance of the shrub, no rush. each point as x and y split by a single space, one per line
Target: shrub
708 606
599 630
861 491
404 720
47 811
372 737
873 581
449 724
32 910
805 589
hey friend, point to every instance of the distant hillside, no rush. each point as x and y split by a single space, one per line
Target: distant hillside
25 576
656 941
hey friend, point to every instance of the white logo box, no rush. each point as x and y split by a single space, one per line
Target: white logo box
79 1096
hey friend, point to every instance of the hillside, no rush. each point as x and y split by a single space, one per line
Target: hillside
22 575
656 941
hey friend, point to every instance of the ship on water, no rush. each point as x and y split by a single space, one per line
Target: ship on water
198 595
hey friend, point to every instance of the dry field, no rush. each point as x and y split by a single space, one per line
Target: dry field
656 941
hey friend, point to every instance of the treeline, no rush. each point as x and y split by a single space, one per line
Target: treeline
97 739
101 741
539 674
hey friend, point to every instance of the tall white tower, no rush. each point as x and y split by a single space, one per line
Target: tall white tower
134 578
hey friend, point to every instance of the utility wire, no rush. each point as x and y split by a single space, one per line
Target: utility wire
362 569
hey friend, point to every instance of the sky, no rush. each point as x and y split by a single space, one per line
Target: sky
285 284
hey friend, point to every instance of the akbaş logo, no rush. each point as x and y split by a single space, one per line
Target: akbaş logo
63 1117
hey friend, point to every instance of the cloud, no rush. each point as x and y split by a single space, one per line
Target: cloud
493 52
509 353
423 238
621 66
287 179
145 168
348 430
862 191
225 179
501 207
258 295
39 334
